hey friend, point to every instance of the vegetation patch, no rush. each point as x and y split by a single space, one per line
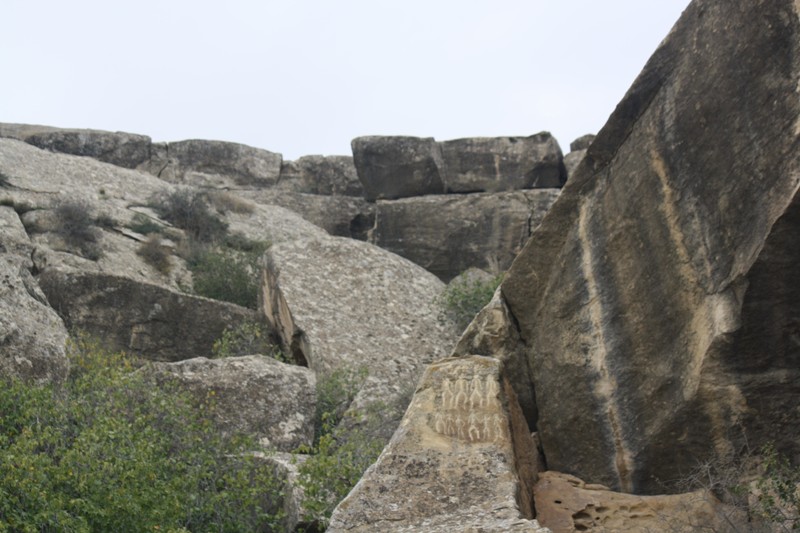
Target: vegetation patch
248 338
227 275
111 452
155 254
464 297
225 202
145 225
75 224
189 211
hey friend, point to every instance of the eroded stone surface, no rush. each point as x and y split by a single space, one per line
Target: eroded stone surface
253 395
565 504
333 175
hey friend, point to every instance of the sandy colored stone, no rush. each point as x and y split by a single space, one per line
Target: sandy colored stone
461 460
565 504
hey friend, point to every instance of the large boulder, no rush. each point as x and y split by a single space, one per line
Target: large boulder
215 163
492 164
252 395
337 302
461 460
122 149
149 320
398 167
316 174
658 300
447 234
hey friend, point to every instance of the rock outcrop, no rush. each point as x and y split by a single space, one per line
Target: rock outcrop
658 300
398 167
126 150
461 460
402 167
577 152
323 175
447 234
198 162
492 164
251 395
150 320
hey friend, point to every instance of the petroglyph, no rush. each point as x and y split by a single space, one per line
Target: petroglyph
467 410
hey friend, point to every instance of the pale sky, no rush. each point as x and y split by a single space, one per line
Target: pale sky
307 76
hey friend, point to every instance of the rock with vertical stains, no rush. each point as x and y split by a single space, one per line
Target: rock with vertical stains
658 301
461 460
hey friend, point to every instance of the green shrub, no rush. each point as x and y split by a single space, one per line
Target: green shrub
226 275
189 211
145 225
240 242
76 226
248 338
155 254
112 452
105 220
224 201
341 451
464 298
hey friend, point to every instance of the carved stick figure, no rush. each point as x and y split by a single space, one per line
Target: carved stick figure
474 432
476 398
447 394
439 424
499 431
492 390
460 427
487 431
461 393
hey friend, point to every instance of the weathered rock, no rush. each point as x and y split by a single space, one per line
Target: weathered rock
493 164
286 467
342 216
252 395
659 297
214 163
14 240
338 302
150 320
398 167
572 160
461 460
315 174
494 333
446 234
122 149
565 504
582 142
32 336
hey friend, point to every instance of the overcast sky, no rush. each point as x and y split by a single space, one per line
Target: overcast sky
305 77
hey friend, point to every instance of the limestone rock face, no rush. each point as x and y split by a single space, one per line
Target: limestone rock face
565 504
582 142
198 162
150 320
32 336
337 302
461 460
572 160
446 234
492 164
398 167
122 149
253 395
658 299
315 174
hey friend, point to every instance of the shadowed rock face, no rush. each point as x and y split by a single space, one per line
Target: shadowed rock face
659 297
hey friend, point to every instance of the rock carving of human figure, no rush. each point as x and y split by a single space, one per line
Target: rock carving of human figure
460 427
461 393
499 432
474 432
447 394
487 430
439 423
476 397
492 391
